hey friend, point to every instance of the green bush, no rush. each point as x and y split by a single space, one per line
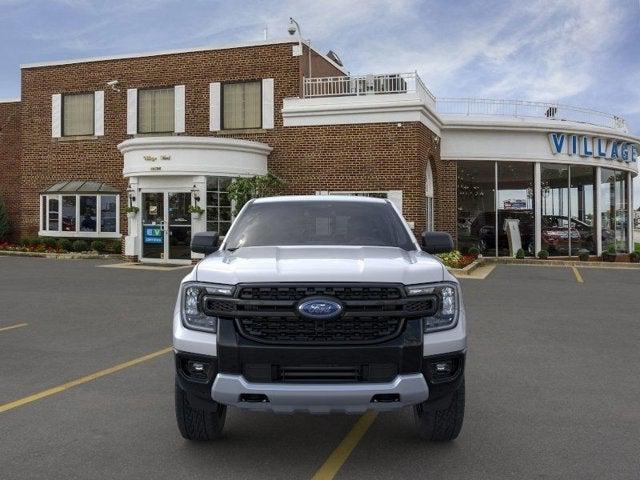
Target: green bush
28 241
583 255
116 247
65 244
474 251
80 246
98 246
48 242
5 224
611 249
520 254
543 254
634 257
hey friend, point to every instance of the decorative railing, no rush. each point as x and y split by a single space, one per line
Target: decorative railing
526 109
356 85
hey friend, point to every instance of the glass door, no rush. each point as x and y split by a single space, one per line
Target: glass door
153 222
166 226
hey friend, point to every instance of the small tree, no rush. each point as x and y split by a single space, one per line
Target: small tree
5 224
243 189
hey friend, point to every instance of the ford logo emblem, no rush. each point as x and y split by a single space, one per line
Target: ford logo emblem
320 308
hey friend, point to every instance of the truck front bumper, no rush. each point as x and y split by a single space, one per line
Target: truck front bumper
320 398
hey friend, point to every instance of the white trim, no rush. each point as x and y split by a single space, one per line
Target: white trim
132 111
10 100
98 113
179 100
175 52
56 115
630 220
214 107
45 232
268 106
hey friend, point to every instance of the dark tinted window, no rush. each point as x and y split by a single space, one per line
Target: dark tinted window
319 223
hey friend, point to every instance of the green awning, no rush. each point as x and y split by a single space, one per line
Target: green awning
81 186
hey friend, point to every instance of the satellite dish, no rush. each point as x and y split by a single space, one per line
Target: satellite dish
334 56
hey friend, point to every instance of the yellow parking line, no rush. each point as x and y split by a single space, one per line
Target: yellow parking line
576 272
80 381
337 458
18 325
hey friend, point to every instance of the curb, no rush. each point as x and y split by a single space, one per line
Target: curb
59 256
561 263
469 268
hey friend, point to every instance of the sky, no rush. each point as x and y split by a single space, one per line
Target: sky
578 52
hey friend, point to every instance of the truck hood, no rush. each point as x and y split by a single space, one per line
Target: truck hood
319 264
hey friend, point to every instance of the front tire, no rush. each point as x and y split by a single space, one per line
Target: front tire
441 425
198 424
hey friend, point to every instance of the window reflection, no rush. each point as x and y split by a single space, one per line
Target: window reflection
613 201
516 220
476 206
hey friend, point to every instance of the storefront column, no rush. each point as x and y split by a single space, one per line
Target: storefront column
598 213
630 220
133 226
537 203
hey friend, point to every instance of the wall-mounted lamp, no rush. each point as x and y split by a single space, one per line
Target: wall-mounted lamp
195 192
132 195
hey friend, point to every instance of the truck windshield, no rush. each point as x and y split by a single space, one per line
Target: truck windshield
319 223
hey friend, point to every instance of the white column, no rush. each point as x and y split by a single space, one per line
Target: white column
537 202
598 213
200 224
132 245
630 211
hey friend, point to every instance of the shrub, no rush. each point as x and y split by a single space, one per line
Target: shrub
116 247
611 249
543 254
634 257
520 254
451 259
80 246
98 246
583 255
28 241
5 224
475 251
48 242
65 244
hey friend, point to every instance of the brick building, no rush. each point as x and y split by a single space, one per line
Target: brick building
163 131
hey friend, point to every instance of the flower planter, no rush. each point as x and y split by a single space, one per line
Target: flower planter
196 216
131 215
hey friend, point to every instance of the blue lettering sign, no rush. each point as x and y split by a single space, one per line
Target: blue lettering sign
573 146
153 235
557 142
586 147
601 149
614 150
634 152
624 152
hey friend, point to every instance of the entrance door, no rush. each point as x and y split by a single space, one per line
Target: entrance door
166 227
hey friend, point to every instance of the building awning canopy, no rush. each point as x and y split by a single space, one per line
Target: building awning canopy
81 186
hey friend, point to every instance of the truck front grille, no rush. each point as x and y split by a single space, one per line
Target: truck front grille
372 313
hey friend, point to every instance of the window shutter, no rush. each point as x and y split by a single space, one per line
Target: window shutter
214 106
179 97
267 103
132 111
395 197
98 106
56 115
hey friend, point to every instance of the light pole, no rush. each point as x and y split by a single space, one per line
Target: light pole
293 28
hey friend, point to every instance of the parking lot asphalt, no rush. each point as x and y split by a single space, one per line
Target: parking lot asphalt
552 385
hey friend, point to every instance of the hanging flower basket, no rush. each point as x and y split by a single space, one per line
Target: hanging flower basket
132 211
195 211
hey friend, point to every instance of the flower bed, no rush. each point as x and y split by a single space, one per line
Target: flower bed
48 245
455 259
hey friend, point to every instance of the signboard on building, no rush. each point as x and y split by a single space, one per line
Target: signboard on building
596 147
153 235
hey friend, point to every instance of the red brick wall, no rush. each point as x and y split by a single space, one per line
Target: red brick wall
10 159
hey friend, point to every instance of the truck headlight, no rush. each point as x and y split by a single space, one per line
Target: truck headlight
446 315
191 305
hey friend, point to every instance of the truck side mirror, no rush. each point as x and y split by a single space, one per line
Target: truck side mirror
437 242
205 242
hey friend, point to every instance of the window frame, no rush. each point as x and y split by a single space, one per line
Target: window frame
77 233
159 132
237 82
231 206
93 117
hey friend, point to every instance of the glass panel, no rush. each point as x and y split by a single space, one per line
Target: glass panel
516 221
179 226
78 114
108 213
621 212
242 105
218 205
555 208
476 206
69 213
54 206
156 110
608 207
88 220
153 225
582 206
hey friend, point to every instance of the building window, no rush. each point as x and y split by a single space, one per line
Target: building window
156 110
614 210
516 209
218 205
476 206
242 105
79 216
78 114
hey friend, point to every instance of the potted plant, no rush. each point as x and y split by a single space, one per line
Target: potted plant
610 255
583 255
195 211
132 211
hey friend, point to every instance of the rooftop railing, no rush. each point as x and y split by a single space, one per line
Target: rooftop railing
357 85
399 83
526 109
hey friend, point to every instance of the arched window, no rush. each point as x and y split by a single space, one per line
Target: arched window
428 192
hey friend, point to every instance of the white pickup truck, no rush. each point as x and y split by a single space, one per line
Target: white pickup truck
319 304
